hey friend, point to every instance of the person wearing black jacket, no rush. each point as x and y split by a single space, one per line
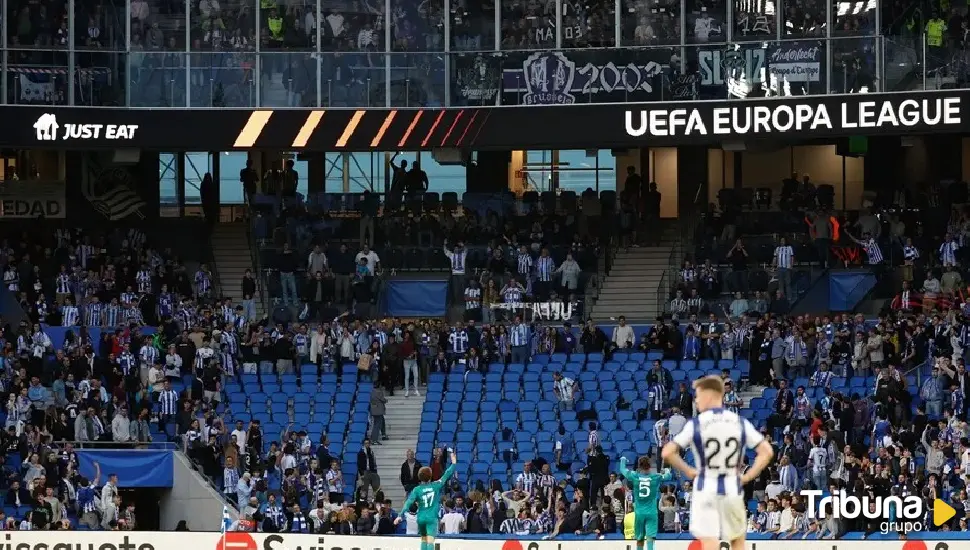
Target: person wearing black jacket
593 339
409 472
323 451
287 264
342 266
249 295
367 468
318 290
598 470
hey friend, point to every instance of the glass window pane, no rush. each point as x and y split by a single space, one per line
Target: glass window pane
223 79
528 25
804 18
476 78
228 25
197 165
853 18
334 170
37 24
352 80
158 24
100 25
417 80
352 26
537 170
706 20
418 25
588 24
754 19
364 172
576 171
854 65
96 78
645 23
230 188
473 25
288 79
167 175
157 79
36 77
444 178
284 26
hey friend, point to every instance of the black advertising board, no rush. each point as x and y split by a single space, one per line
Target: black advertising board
575 126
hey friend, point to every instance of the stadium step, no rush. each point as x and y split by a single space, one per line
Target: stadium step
403 421
230 247
631 287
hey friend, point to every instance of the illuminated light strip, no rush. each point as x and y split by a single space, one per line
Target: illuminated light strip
254 126
468 127
312 121
349 130
488 113
452 129
380 133
407 133
433 128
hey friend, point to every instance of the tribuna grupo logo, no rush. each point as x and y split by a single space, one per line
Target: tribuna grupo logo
896 514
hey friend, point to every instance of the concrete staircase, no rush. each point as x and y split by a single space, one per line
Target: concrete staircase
230 247
273 91
403 422
631 287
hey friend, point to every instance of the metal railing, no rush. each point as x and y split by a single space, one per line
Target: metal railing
258 273
303 78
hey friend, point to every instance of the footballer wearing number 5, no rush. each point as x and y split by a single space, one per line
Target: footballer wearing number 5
646 490
428 497
718 439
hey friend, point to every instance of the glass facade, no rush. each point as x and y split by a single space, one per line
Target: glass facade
429 53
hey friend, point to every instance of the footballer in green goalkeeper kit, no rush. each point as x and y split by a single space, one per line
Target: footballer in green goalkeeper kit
646 492
428 497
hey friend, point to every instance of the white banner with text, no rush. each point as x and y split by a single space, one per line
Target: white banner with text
20 199
172 540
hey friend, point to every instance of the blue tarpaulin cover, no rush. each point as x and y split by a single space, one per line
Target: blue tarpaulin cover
135 468
848 288
416 298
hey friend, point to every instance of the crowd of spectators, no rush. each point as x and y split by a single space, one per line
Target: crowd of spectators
873 406
766 259
647 23
491 252
92 382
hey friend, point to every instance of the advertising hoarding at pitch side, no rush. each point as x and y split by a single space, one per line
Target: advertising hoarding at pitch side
172 540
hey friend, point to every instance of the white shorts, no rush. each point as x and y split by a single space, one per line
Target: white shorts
718 517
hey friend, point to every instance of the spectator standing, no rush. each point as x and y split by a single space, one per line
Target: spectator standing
342 265
378 403
821 228
564 390
287 265
369 206
367 468
457 258
409 472
784 261
519 341
249 295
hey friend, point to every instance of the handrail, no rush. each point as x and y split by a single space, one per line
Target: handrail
254 257
663 292
123 445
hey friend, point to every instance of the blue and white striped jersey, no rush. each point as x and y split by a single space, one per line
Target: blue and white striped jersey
718 439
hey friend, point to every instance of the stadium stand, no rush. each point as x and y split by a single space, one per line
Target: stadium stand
277 415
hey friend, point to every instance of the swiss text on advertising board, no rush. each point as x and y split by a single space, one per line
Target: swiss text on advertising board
108 540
